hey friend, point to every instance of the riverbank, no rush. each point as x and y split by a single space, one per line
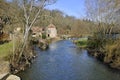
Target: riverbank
6 57
7 69
109 54
5 52
22 65
104 58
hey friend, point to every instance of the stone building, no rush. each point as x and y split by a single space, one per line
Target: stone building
51 31
37 31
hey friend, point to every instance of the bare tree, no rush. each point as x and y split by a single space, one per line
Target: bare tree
31 12
102 11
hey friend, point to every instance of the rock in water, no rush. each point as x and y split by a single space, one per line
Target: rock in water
43 45
13 77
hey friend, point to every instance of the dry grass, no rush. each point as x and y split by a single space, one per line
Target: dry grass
113 54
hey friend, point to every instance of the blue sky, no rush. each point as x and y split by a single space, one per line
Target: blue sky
71 7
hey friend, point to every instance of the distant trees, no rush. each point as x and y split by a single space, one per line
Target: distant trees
65 24
103 11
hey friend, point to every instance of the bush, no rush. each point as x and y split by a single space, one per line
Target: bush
97 41
82 42
112 52
43 36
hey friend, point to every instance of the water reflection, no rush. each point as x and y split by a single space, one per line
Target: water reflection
63 61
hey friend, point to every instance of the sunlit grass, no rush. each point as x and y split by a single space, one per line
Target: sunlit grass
5 49
82 42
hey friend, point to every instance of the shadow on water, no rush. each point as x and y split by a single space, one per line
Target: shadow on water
64 61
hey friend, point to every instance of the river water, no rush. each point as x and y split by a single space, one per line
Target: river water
64 61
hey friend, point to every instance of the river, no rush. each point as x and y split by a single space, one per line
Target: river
64 61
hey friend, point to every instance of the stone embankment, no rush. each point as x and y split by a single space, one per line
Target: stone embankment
13 77
4 69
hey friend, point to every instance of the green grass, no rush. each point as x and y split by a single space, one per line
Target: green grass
82 42
5 49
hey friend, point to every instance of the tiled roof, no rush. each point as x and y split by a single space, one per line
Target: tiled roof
51 26
36 29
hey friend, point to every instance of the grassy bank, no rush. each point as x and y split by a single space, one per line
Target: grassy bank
82 42
5 49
